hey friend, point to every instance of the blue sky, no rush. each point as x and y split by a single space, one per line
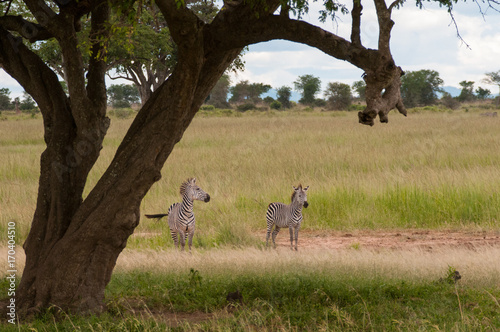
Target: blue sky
421 39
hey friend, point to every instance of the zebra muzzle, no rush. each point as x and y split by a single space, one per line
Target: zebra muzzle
207 199
306 204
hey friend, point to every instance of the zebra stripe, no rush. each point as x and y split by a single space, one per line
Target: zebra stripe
181 219
282 215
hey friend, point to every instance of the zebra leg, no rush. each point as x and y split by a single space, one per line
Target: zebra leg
296 238
269 228
275 233
174 237
182 238
291 237
190 239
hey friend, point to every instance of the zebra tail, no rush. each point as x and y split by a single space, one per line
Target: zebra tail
156 216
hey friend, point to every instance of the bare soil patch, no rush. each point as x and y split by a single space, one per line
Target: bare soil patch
403 239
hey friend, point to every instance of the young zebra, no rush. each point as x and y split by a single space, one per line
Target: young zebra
282 215
180 215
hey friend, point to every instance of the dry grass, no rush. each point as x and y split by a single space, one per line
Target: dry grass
479 268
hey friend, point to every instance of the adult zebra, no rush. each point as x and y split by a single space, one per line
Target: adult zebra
283 215
181 216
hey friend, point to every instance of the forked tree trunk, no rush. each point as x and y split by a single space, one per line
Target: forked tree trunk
73 270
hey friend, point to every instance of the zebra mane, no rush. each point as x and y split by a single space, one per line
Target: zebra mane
294 192
185 184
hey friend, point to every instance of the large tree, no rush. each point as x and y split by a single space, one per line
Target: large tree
493 78
420 88
338 96
74 242
245 91
467 92
308 86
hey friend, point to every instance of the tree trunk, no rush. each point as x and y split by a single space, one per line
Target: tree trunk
74 267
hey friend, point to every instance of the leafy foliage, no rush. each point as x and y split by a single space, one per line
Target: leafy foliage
308 86
218 96
338 96
248 92
284 94
419 88
122 95
5 103
482 93
467 93
360 88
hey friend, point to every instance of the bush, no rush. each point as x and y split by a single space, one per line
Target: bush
356 107
121 104
246 107
207 108
268 100
319 102
275 105
449 102
122 113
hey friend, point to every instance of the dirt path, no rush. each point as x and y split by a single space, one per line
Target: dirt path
404 239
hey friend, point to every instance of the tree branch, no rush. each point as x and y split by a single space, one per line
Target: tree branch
356 22
385 24
30 71
181 21
395 4
271 27
97 66
28 30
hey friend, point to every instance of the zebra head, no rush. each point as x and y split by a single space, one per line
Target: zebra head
300 196
193 192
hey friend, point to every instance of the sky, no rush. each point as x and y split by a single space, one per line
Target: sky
421 39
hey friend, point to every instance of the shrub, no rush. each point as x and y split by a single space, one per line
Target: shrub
275 105
246 107
268 100
207 108
122 113
356 107
448 101
121 104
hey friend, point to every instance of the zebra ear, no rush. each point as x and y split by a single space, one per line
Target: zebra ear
305 189
193 180
295 188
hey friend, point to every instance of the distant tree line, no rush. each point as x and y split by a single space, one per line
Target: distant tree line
26 103
418 88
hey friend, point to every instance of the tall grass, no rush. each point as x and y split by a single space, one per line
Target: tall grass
430 170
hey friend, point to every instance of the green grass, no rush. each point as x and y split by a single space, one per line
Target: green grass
317 299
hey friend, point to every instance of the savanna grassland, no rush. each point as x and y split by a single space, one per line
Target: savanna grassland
434 171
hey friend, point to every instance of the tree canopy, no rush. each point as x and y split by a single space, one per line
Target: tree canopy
308 86
74 241
420 88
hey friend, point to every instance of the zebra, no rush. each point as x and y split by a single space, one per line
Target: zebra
283 215
180 215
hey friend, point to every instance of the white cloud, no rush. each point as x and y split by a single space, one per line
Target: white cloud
421 39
